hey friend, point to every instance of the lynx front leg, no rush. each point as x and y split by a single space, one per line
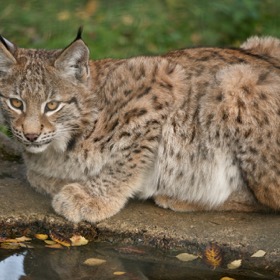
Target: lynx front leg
98 199
125 173
77 203
107 193
45 184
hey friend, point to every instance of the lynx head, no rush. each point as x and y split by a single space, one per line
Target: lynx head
42 92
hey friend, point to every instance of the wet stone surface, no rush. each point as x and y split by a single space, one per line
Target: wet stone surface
239 235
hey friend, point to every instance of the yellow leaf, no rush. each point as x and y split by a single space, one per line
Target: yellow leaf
119 273
78 240
10 246
24 245
234 264
16 240
94 261
50 242
54 246
9 240
213 255
227 278
259 254
185 257
23 239
41 236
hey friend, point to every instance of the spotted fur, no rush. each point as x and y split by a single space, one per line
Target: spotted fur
196 129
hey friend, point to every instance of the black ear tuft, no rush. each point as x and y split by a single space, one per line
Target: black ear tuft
7 58
79 34
8 45
4 42
72 62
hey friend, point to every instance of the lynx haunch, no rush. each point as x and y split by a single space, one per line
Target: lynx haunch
195 129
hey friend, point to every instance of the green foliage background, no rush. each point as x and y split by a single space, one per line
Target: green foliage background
123 28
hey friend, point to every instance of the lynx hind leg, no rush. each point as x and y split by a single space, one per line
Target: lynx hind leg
242 201
250 113
239 201
174 204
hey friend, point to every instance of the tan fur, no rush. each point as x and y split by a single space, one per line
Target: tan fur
197 129
265 46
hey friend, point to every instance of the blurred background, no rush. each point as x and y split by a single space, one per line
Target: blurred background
123 28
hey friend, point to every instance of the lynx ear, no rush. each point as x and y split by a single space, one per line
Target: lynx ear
73 60
7 50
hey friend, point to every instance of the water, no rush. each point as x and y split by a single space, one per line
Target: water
121 262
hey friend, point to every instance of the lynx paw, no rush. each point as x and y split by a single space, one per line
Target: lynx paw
69 202
76 205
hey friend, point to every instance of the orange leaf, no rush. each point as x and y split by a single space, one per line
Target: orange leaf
213 255
54 246
41 236
119 273
59 238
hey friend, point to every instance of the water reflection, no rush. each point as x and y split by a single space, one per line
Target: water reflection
67 264
12 267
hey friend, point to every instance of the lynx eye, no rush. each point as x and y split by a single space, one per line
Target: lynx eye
51 106
16 103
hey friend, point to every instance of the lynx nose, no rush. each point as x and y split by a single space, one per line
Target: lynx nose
31 136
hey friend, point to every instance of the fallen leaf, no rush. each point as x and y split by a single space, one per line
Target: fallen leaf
50 242
41 236
185 257
16 240
259 254
213 255
78 240
23 239
59 238
15 243
234 264
54 246
8 240
24 245
94 261
227 278
119 273
10 246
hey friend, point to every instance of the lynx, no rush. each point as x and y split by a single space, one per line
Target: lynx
194 129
